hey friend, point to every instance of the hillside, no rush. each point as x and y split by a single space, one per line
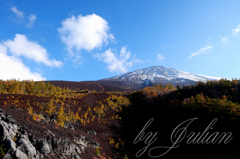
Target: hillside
59 123
89 85
210 109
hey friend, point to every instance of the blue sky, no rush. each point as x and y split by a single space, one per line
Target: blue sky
91 40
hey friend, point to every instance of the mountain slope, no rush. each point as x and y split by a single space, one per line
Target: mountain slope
156 75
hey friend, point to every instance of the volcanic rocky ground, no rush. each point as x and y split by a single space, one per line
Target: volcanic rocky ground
46 138
24 137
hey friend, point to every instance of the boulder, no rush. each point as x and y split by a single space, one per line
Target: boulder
7 130
8 156
43 147
39 156
9 119
27 147
21 144
10 144
69 125
20 155
3 130
2 115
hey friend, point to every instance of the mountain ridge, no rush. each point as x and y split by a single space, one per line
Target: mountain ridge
155 75
138 79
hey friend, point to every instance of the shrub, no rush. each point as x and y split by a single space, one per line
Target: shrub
34 117
97 150
2 150
30 110
126 157
111 141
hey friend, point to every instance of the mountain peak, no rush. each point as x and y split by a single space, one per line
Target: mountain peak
160 74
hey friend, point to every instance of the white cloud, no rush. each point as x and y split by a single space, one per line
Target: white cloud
31 18
17 12
12 67
84 32
160 57
201 51
236 31
120 64
21 46
225 39
3 49
22 19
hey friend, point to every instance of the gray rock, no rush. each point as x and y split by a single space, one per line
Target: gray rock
10 144
32 139
91 132
2 115
78 150
72 148
82 148
28 144
44 147
81 141
39 156
14 127
8 156
3 130
24 136
27 147
7 130
9 119
76 156
20 155
69 125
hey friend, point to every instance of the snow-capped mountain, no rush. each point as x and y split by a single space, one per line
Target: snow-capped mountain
158 74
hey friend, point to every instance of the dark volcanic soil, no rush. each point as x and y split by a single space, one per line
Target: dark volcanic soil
78 85
99 86
17 106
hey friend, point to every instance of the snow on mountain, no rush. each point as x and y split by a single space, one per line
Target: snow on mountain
161 74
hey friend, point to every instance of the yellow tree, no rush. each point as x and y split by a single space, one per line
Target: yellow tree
61 117
77 116
30 111
72 116
51 107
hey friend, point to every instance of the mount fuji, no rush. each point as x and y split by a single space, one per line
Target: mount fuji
156 75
